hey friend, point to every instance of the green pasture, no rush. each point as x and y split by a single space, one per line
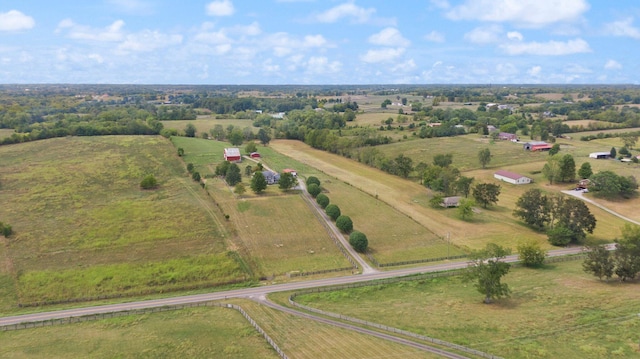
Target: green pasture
554 312
303 338
6 132
75 205
189 333
205 123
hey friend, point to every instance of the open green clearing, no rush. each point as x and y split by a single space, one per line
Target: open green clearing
205 123
277 231
555 312
189 333
5 132
77 210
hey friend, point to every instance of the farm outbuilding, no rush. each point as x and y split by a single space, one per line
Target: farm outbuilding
271 177
506 136
511 177
536 146
600 155
451 201
254 155
293 172
232 154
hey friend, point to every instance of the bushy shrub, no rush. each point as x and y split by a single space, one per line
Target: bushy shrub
149 182
344 224
322 200
359 241
333 211
313 179
314 190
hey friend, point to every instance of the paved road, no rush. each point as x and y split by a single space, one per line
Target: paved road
580 195
255 292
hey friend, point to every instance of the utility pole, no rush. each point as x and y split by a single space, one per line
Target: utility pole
448 243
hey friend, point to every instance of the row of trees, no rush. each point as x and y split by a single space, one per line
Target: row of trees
624 262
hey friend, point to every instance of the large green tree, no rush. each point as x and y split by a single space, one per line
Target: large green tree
486 269
443 160
190 130
567 168
552 170
264 136
258 183
359 241
569 216
608 184
585 170
287 181
627 255
232 175
236 138
486 193
599 262
484 156
403 166
463 185
533 208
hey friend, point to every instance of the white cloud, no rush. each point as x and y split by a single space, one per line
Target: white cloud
14 20
389 36
484 35
110 33
534 71
314 41
220 8
441 4
147 40
322 65
140 7
404 67
577 69
550 48
623 28
252 29
434 36
612 65
357 14
514 35
382 55
528 13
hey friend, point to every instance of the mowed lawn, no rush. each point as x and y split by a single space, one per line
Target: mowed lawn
276 231
555 312
83 227
188 333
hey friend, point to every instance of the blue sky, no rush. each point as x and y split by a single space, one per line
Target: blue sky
320 42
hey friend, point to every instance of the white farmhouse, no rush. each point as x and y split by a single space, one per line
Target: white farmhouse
511 177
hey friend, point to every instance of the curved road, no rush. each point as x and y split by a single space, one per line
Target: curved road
580 195
250 292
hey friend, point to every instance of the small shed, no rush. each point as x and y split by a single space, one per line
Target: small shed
600 155
254 155
289 170
232 154
451 201
536 146
511 177
506 136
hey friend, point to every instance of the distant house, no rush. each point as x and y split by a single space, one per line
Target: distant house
491 128
289 170
232 154
600 155
271 177
511 177
536 146
254 155
451 201
508 136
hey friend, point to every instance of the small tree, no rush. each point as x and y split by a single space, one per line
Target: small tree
180 151
287 181
196 176
585 170
487 269
465 209
149 182
6 230
463 185
322 200
344 224
333 211
248 171
560 236
554 149
359 241
190 130
486 193
313 179
233 176
613 152
484 156
258 183
190 167
598 262
530 254
239 189
314 190
443 160
250 147
264 136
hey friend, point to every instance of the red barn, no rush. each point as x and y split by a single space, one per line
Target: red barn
232 154
254 155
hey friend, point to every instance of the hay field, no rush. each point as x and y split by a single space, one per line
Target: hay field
205 123
555 312
188 333
79 214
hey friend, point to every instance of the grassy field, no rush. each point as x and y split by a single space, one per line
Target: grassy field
6 132
555 312
205 123
79 216
412 200
189 333
276 230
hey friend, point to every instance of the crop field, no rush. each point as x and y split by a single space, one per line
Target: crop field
276 231
188 333
83 227
303 338
554 312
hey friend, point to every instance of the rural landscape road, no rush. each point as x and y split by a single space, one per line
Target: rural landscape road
252 293
580 195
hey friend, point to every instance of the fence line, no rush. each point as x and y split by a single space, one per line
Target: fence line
100 316
303 274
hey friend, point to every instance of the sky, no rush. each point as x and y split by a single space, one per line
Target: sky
320 42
